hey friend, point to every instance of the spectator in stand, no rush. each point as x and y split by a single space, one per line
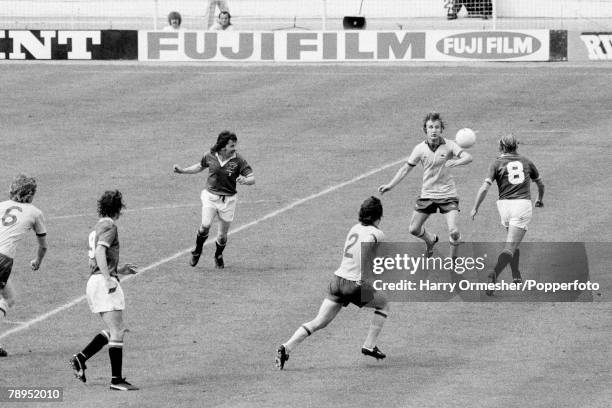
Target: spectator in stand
210 12
224 22
174 21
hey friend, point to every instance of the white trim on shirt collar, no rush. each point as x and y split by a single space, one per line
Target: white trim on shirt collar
223 163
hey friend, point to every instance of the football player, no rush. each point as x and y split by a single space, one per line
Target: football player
347 287
513 174
18 216
104 294
225 168
438 193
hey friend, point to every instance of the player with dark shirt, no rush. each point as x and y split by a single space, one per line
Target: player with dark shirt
225 168
513 174
104 293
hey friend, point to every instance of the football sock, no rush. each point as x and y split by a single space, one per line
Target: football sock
98 342
378 320
300 334
220 248
514 264
504 259
115 352
200 239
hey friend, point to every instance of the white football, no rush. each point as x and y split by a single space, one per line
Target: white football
465 138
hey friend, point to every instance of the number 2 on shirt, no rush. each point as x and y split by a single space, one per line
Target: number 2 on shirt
351 240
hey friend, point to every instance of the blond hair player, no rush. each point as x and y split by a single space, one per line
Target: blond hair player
17 217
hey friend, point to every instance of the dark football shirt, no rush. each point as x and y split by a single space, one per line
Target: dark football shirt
222 176
513 174
106 235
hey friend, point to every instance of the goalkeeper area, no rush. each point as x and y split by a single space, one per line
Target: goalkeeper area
320 139
265 15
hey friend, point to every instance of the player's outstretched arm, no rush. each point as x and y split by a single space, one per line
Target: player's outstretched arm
480 196
40 254
399 176
193 169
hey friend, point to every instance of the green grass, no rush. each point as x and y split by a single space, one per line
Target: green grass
200 337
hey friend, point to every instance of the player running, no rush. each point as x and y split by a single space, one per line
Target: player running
104 294
18 216
225 168
437 155
513 174
347 287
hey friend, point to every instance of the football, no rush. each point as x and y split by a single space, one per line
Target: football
465 138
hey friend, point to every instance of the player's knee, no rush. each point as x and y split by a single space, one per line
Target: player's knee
118 334
203 230
454 237
222 240
415 230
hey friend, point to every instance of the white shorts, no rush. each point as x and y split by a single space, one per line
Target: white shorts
515 212
225 205
98 297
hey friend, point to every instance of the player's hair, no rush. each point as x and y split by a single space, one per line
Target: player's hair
22 189
110 204
175 15
371 210
222 140
433 116
508 143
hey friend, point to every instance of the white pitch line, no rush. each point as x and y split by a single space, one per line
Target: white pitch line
44 316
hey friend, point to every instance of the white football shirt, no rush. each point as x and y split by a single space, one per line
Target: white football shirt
350 267
15 220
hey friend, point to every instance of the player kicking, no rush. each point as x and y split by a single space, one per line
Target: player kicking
104 294
18 216
347 287
512 173
437 155
225 168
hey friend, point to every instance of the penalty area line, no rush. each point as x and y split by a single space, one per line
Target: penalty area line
27 324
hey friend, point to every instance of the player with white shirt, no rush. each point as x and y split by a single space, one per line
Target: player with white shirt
347 287
513 174
225 168
437 155
17 217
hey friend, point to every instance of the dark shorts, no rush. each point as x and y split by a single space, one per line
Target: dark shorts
6 265
431 205
360 294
